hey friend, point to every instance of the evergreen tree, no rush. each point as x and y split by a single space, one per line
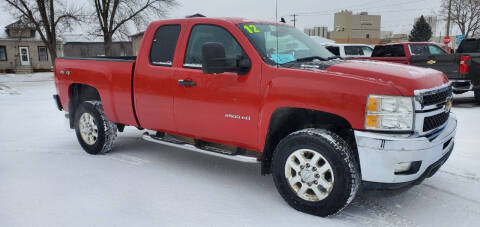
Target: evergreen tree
421 31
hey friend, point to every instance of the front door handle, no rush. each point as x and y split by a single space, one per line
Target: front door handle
187 83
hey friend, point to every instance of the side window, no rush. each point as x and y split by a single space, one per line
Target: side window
468 46
353 50
378 51
434 50
367 50
334 50
397 51
209 33
388 51
419 49
164 44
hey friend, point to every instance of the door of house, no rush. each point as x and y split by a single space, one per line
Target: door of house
24 56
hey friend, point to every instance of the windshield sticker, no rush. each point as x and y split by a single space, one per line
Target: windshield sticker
282 58
251 28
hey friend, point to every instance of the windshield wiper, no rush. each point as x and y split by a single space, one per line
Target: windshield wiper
334 57
311 58
306 59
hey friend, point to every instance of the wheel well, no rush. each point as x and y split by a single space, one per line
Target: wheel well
80 93
285 121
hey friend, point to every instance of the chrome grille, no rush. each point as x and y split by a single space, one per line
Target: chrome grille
435 121
430 112
438 97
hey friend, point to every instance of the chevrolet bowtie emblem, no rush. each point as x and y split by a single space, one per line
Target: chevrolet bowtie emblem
431 62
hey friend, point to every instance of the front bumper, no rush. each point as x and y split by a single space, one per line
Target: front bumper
462 85
379 154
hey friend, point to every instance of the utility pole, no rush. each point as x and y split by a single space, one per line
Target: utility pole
294 19
449 16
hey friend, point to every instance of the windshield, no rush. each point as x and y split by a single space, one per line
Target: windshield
292 43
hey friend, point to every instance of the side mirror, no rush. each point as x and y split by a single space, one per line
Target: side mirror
214 60
244 64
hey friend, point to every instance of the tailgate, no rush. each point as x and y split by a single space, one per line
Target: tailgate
446 63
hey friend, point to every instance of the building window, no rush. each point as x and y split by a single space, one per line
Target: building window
3 53
367 36
42 54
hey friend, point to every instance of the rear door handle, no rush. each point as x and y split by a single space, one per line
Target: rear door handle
187 83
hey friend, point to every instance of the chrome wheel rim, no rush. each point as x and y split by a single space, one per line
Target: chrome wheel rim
88 128
309 174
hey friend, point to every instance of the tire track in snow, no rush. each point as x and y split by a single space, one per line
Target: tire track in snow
467 177
451 194
366 212
6 90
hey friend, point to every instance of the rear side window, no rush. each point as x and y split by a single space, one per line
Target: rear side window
353 50
419 49
209 33
469 46
164 44
434 50
388 51
334 50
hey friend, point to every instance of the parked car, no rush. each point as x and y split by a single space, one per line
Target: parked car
350 50
321 126
469 78
461 68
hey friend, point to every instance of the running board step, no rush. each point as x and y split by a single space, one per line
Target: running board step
205 150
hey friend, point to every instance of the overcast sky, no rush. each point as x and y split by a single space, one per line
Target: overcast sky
397 15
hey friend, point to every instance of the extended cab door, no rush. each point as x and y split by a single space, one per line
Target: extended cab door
432 56
221 108
153 79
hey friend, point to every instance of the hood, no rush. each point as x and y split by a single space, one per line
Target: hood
405 78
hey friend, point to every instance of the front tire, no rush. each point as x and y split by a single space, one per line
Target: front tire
94 132
315 171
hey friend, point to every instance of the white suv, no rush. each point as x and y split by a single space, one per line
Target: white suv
350 50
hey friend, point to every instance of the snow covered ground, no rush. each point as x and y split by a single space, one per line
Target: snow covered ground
46 179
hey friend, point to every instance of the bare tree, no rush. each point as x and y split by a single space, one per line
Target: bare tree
113 16
465 14
48 17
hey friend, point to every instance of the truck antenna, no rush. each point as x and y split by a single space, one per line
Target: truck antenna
276 28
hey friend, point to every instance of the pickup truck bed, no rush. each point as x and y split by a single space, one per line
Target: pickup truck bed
112 78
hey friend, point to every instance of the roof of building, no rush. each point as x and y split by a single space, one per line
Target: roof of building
20 24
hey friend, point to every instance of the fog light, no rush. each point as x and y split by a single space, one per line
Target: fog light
405 168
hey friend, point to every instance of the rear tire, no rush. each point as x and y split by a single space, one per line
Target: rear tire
477 96
327 179
94 132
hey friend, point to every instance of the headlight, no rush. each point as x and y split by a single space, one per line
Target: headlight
389 113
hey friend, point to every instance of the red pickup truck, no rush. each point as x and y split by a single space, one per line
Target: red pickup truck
460 68
266 93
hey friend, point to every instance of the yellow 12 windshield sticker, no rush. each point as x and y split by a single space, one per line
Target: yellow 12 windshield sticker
251 28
